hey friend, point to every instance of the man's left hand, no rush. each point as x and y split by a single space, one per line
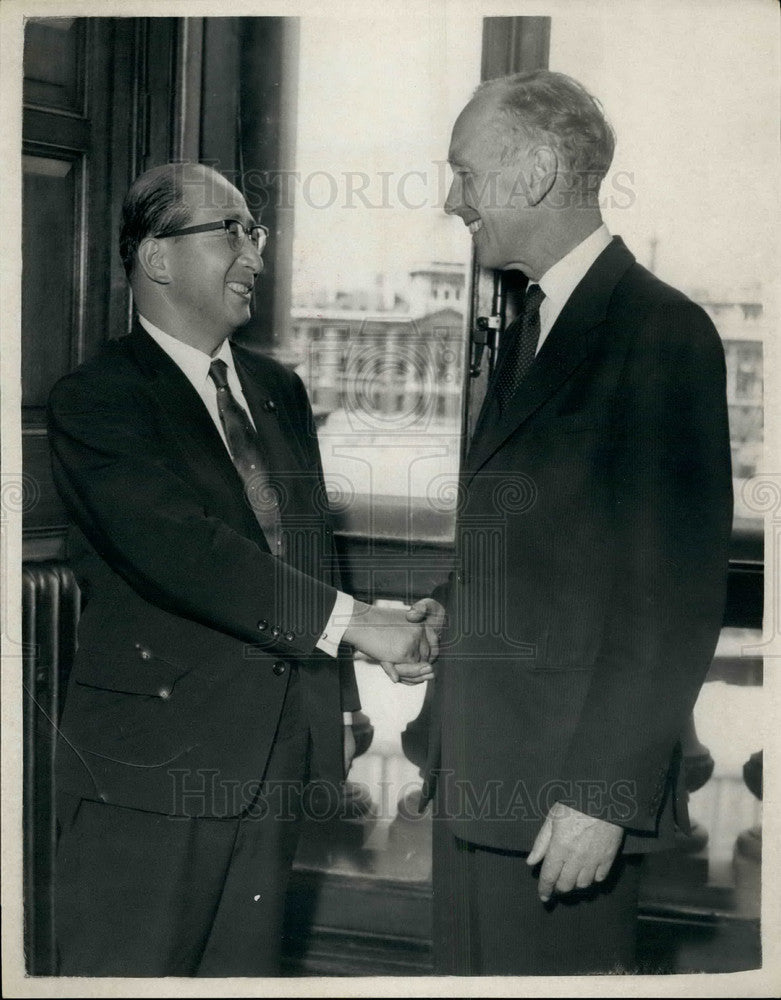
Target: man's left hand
576 850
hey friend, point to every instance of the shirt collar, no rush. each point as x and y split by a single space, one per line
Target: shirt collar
193 363
560 281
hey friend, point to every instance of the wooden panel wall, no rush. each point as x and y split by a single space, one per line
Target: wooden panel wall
104 100
66 141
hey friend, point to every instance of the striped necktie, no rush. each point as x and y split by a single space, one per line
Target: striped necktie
246 451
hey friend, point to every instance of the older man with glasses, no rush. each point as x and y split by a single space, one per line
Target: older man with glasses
210 681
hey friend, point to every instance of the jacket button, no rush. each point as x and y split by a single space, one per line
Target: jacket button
262 626
164 692
290 636
276 631
145 654
279 669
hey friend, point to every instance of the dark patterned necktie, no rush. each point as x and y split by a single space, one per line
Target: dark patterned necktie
246 452
523 335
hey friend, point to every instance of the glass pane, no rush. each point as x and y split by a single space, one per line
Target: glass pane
673 191
380 274
395 839
728 718
378 334
717 868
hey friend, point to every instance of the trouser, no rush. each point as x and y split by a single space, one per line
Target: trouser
145 894
489 920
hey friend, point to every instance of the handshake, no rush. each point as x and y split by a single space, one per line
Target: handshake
406 643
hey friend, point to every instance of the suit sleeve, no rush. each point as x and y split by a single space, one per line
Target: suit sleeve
351 701
672 513
125 493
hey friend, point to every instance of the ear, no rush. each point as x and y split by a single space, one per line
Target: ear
543 173
153 260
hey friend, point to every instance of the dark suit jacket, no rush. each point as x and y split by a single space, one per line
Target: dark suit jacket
592 546
190 625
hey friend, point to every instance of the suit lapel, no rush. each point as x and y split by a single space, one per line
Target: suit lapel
566 346
189 417
259 388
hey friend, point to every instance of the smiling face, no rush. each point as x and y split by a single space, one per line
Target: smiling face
210 285
491 197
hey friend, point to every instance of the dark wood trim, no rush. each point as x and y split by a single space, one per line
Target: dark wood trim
745 595
328 915
326 952
33 416
514 44
93 264
268 115
55 130
675 941
82 227
219 101
157 90
81 109
126 140
188 81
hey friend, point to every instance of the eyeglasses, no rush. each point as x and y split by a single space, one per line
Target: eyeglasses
237 233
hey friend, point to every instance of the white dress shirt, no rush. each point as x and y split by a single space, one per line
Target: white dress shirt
561 280
195 365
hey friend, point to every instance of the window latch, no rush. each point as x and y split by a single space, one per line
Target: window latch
480 340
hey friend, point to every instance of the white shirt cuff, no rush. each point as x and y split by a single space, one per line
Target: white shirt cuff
347 718
336 625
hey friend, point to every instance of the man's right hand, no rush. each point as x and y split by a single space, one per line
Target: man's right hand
431 615
385 634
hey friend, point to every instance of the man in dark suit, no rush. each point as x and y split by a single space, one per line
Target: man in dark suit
592 544
209 682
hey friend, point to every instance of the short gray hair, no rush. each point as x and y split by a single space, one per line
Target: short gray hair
554 108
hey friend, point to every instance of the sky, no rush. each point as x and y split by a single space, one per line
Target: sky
693 99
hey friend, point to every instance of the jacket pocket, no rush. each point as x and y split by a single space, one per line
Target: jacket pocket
135 670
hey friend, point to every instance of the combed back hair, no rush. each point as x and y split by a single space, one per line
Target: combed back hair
153 205
553 108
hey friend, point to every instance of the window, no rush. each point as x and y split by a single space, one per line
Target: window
378 319
381 285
